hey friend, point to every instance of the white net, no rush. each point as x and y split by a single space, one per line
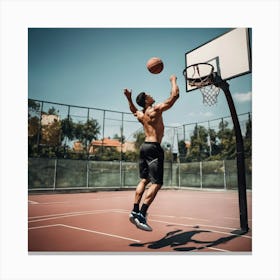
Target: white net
210 94
201 77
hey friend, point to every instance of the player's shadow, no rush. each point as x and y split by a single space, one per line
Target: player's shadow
176 239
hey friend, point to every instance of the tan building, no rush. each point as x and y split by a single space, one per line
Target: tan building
115 143
49 119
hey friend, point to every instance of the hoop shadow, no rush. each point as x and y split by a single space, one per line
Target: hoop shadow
176 239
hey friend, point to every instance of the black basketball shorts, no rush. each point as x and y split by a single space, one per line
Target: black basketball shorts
151 162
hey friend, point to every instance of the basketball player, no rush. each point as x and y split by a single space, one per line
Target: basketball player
151 153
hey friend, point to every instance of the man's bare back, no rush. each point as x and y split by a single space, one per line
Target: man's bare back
152 122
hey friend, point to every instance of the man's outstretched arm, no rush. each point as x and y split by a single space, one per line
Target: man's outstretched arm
174 95
132 107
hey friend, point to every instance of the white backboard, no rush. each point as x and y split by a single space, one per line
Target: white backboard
230 54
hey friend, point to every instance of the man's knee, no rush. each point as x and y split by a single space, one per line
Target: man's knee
145 181
156 187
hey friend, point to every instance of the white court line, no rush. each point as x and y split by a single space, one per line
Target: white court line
71 201
32 202
215 249
117 236
53 225
210 247
69 213
177 224
245 236
212 226
58 202
73 214
66 215
87 230
102 233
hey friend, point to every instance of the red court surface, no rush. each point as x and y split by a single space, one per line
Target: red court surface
182 221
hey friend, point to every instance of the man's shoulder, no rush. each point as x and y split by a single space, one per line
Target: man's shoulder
139 115
158 106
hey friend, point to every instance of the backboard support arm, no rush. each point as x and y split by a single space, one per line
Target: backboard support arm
240 157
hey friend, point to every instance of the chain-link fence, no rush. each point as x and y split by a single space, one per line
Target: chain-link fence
65 174
81 147
66 131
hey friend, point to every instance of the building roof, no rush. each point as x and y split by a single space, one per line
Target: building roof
106 142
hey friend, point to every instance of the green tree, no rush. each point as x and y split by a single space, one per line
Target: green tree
139 139
86 132
227 139
107 154
248 139
67 129
33 126
199 149
51 133
53 111
120 138
213 143
182 150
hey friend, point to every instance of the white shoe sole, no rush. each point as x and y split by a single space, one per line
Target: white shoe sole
145 227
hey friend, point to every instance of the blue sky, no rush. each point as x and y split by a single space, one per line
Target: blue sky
91 67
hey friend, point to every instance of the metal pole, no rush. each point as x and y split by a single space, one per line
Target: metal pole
87 174
210 146
54 176
67 130
121 166
200 170
240 158
87 141
225 181
103 132
40 127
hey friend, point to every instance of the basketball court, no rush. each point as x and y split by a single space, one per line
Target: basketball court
182 221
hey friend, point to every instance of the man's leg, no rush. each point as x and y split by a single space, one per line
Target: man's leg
151 193
149 197
140 189
141 221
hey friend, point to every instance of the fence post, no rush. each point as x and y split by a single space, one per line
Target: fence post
225 180
55 173
121 184
103 132
200 165
87 173
179 173
40 126
209 139
121 154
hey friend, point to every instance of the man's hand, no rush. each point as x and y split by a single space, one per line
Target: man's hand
127 93
173 78
175 88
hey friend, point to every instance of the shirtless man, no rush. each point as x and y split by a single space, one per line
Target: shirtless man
151 153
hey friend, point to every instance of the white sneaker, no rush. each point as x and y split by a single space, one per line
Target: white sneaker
132 217
141 222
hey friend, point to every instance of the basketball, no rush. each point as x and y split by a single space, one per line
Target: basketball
155 65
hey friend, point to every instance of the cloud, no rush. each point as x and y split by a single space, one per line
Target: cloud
243 97
201 114
207 114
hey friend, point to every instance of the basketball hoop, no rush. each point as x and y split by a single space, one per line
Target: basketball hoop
201 76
